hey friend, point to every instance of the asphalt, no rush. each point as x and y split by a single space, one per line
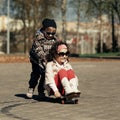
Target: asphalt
99 83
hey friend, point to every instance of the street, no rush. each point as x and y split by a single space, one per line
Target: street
99 83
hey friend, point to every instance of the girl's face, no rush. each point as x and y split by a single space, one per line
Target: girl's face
62 55
49 32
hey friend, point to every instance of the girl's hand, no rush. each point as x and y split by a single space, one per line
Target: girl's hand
57 94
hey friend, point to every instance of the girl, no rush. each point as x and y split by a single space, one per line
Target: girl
60 78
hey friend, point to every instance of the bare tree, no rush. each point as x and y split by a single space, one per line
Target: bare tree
116 7
63 9
32 12
112 9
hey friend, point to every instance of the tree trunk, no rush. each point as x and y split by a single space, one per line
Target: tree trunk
63 9
113 32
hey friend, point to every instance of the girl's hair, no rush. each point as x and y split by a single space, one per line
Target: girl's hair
53 51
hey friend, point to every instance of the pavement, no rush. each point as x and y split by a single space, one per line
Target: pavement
99 82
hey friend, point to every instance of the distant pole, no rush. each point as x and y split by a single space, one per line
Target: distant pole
8 31
101 41
63 8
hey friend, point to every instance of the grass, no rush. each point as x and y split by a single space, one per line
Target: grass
111 54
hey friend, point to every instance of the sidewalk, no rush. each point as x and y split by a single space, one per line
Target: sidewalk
99 84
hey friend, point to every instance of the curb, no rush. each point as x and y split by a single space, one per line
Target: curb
25 58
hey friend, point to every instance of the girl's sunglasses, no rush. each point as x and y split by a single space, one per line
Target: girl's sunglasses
62 53
50 33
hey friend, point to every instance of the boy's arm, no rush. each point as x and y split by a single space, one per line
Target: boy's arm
37 53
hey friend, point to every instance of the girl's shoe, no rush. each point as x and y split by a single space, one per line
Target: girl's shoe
70 95
78 94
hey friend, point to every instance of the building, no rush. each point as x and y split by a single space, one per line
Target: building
83 41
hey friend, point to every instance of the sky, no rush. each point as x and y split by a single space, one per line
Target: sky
70 15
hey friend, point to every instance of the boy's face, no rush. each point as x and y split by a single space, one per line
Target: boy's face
50 32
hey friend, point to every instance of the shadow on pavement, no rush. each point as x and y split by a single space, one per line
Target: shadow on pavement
37 98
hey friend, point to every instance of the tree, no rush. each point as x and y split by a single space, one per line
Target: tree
112 9
2 7
63 10
79 7
116 7
32 12
96 7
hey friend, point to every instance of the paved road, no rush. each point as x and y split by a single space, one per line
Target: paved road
100 98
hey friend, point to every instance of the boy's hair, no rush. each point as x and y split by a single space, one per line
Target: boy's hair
48 23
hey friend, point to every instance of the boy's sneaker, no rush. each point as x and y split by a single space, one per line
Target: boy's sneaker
30 93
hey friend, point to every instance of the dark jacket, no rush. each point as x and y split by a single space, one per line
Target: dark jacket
40 48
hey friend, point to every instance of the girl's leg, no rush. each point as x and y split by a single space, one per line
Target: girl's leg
63 80
73 81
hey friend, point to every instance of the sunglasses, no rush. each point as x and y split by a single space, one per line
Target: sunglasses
62 53
50 33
